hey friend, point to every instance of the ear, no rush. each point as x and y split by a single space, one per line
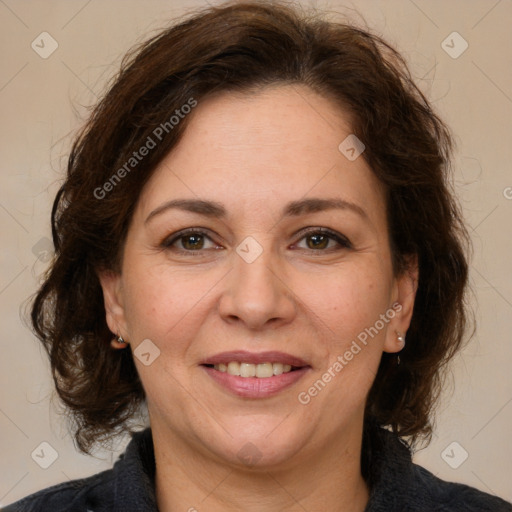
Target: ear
111 284
403 297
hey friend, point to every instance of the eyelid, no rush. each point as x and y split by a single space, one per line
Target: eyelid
342 240
174 237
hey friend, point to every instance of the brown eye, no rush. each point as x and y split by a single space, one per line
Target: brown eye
317 241
189 241
192 242
322 239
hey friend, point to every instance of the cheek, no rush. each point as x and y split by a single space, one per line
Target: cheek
350 308
162 302
154 302
348 301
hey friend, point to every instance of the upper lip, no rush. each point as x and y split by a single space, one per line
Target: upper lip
243 356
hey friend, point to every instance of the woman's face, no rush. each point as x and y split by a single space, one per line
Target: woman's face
289 256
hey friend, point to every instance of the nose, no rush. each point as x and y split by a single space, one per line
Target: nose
257 294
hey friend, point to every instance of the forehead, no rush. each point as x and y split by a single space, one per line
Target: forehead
274 146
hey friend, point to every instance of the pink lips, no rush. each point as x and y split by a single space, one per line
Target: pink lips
255 387
242 356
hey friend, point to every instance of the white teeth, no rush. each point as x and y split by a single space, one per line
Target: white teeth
233 368
263 370
277 368
247 370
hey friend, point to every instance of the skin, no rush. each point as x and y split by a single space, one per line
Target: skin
254 154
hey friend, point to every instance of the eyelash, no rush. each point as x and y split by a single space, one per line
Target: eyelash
341 240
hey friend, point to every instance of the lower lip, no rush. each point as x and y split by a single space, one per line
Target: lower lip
255 387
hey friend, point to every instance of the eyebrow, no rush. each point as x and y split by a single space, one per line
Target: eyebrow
292 209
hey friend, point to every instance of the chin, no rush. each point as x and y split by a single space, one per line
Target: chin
258 445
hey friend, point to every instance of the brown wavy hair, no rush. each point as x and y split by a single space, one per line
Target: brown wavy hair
243 47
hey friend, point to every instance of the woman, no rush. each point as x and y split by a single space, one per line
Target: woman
256 241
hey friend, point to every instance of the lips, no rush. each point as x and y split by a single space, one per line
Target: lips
243 356
290 369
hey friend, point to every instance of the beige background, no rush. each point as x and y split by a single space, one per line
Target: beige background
41 101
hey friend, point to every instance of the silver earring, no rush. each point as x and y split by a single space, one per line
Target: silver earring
120 341
401 339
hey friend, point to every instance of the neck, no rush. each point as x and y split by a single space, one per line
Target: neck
328 479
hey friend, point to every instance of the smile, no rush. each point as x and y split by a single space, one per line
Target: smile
261 371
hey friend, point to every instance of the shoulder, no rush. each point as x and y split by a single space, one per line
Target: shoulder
440 495
74 495
127 487
397 484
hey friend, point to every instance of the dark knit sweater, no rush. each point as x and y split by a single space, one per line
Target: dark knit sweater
396 485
